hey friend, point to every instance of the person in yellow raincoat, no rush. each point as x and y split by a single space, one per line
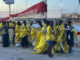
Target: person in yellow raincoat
60 31
50 38
61 41
24 36
18 33
34 30
32 34
1 28
40 45
39 35
1 31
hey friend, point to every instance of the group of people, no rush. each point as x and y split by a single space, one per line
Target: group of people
45 36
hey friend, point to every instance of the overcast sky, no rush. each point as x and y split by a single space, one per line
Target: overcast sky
54 7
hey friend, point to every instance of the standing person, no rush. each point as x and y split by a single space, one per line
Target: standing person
18 33
11 31
60 32
70 36
14 24
5 34
0 32
40 45
50 38
24 42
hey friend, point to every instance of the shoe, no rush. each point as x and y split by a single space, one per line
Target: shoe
50 56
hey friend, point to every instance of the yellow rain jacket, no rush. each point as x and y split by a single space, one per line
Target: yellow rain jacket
75 33
1 27
40 43
60 31
17 33
33 34
61 37
23 31
20 32
38 37
49 34
11 24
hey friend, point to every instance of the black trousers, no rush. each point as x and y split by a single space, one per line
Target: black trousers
50 45
13 39
24 42
6 42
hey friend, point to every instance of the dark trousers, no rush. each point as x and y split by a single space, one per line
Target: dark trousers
70 48
13 40
50 45
24 42
6 42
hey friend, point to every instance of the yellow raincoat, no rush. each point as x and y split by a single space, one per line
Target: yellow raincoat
49 34
1 27
33 34
39 33
60 37
17 33
11 24
40 43
20 32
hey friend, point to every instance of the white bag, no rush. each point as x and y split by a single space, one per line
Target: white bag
17 44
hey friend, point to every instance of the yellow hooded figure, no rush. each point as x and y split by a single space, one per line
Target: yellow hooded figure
61 40
17 33
32 34
23 31
40 43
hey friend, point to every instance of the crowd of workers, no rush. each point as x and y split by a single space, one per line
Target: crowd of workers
45 36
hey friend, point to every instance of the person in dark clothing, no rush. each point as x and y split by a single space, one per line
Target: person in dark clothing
51 41
14 32
70 36
5 34
25 42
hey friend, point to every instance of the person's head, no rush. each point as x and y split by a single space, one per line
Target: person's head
31 22
65 25
14 22
51 23
24 22
40 23
60 22
18 23
46 22
4 23
56 22
69 23
7 22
